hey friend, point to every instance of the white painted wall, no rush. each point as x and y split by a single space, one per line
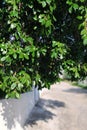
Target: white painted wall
14 112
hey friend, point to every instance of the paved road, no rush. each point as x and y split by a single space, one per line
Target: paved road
63 107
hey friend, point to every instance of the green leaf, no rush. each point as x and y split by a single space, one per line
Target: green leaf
79 17
20 86
7 96
85 41
54 54
30 39
4 58
21 56
15 55
82 0
13 26
43 3
17 95
48 23
26 56
48 1
13 86
70 9
75 6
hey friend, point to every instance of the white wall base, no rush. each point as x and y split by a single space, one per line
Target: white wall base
14 112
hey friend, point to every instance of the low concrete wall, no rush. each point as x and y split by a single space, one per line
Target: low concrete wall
14 112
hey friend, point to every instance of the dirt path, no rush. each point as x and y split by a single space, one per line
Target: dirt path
63 107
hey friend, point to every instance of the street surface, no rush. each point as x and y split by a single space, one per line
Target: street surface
63 107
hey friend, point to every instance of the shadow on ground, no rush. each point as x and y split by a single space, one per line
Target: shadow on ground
43 111
76 90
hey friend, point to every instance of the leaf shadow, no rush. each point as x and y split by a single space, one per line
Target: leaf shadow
43 111
76 90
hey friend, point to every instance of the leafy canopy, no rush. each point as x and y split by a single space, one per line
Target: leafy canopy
39 38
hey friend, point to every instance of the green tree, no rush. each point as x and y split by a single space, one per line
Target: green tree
72 30
38 39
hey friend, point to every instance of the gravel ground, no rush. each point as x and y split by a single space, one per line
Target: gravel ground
63 107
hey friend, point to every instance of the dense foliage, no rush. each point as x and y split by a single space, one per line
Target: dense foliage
39 38
71 29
